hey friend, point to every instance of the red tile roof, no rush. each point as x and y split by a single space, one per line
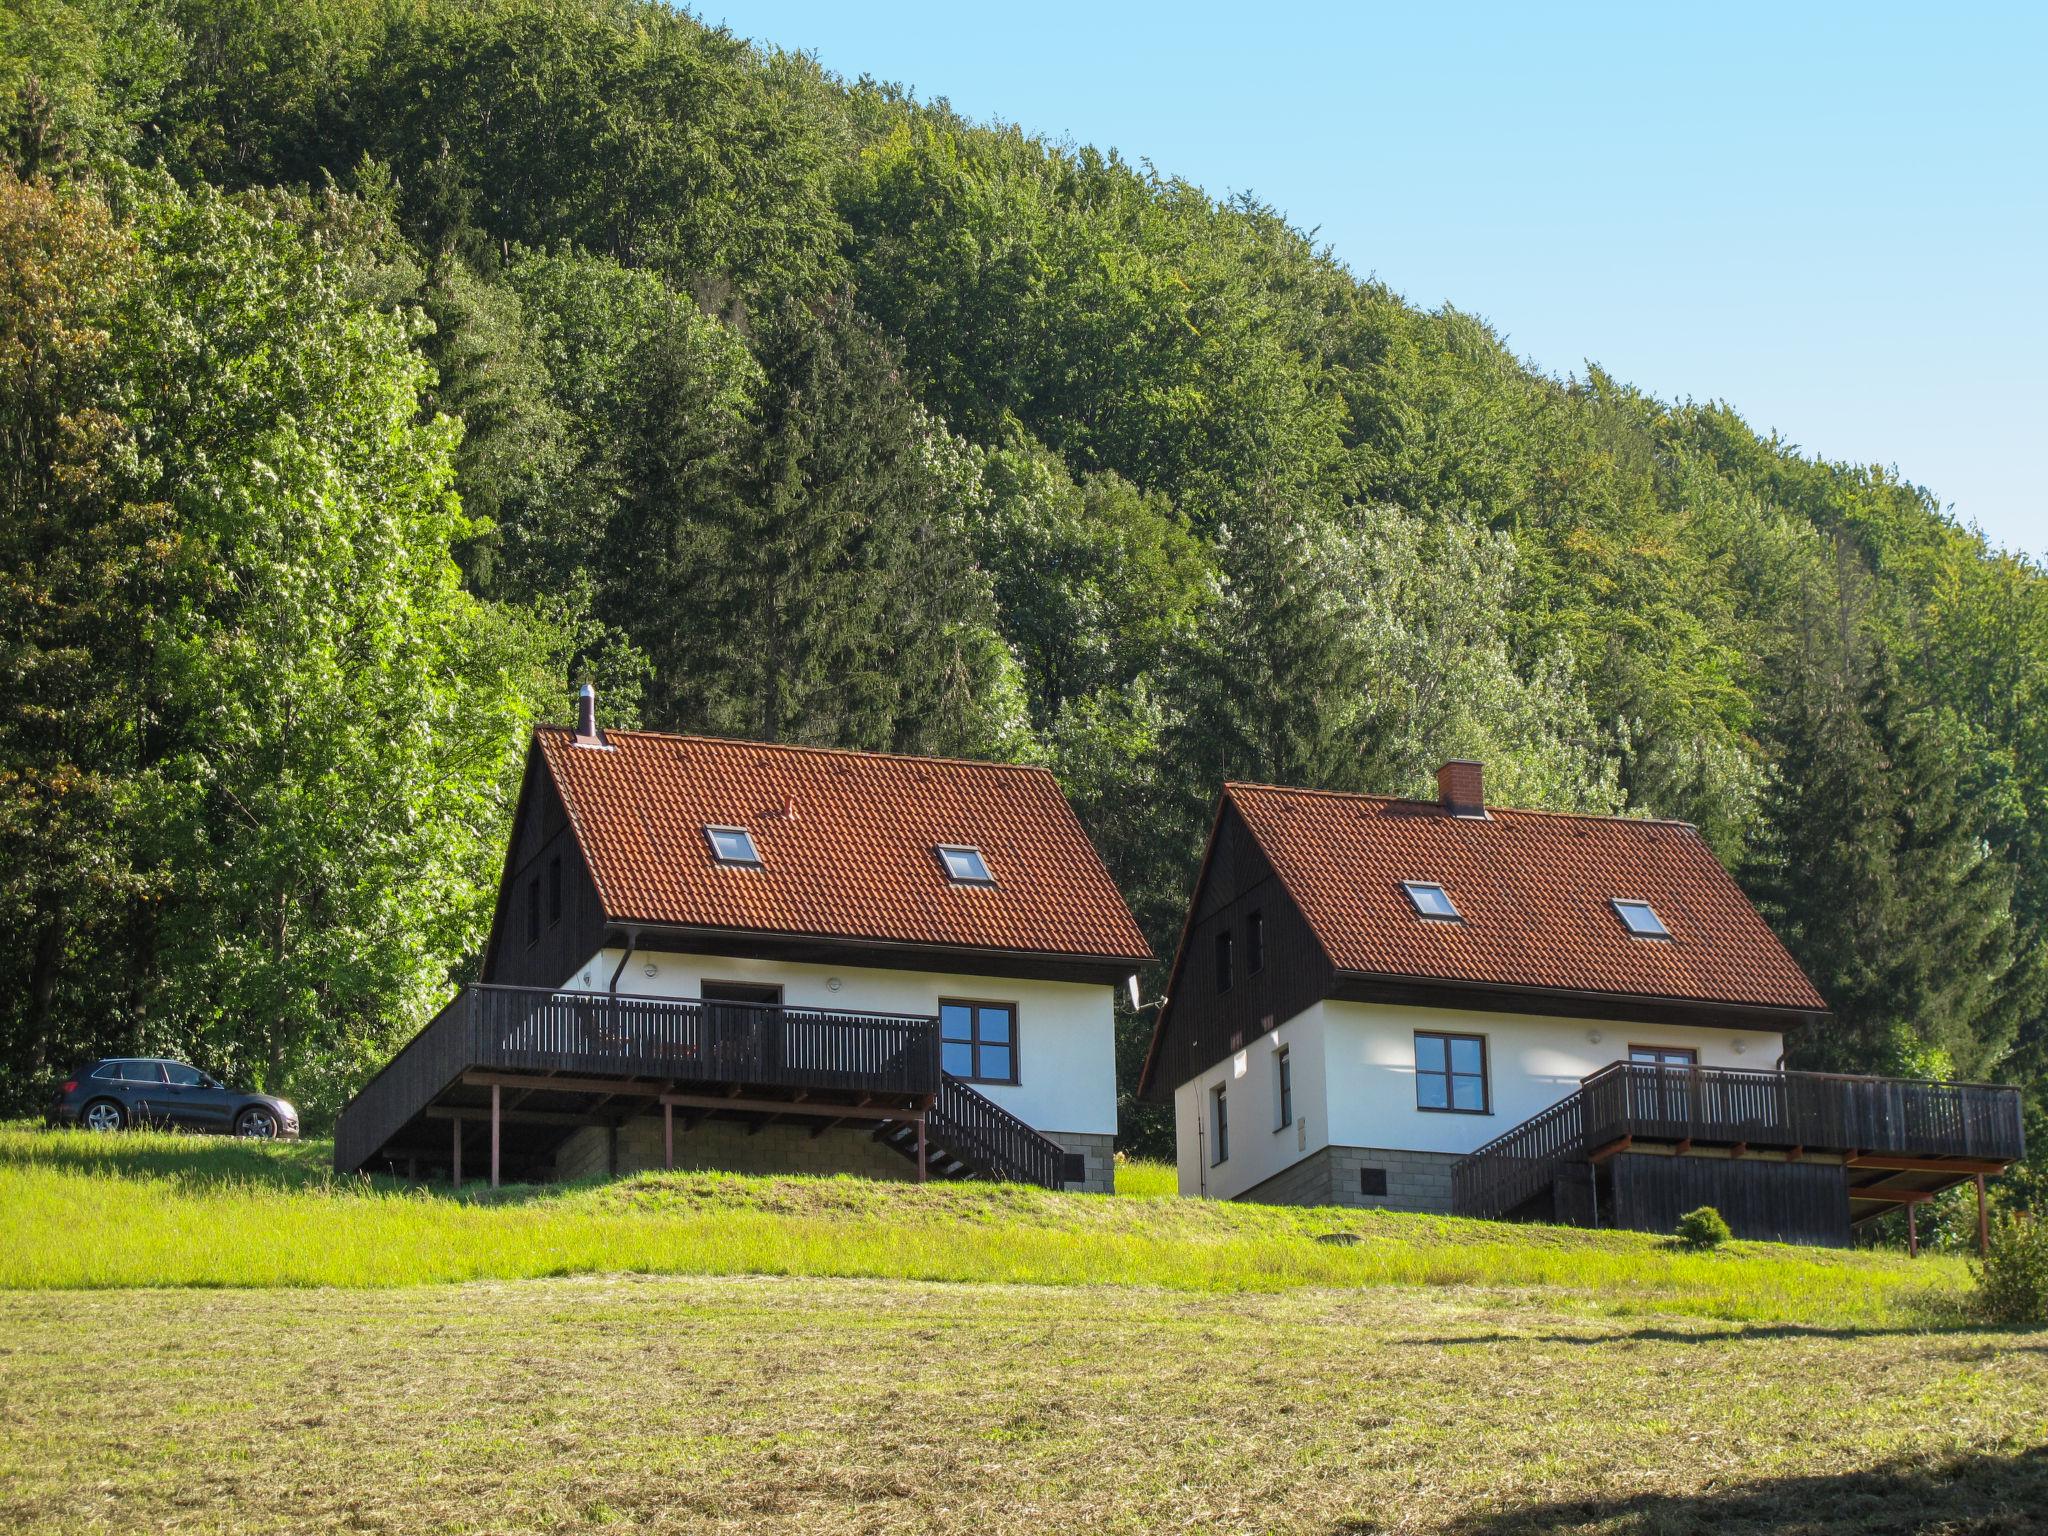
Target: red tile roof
1533 889
846 841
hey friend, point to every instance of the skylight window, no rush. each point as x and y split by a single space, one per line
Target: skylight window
965 865
1432 901
733 845
1641 919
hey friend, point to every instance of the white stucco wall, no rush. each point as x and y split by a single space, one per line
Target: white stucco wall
1360 1059
1066 1031
1259 1146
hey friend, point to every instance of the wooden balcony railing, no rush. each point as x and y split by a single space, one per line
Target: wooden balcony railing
675 1040
1727 1106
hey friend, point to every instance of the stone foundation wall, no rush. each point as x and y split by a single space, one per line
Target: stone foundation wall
727 1146
1416 1181
1100 1151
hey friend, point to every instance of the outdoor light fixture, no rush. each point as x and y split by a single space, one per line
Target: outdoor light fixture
1593 1035
650 967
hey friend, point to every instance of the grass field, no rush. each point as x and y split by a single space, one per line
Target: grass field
1122 1365
184 1211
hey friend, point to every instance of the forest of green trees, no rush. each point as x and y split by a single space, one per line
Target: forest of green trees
373 371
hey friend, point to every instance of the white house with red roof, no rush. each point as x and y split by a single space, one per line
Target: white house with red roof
1448 1006
727 954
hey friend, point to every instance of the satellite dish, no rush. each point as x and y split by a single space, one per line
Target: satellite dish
1132 980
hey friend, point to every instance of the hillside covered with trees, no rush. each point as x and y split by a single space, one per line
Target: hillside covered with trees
373 371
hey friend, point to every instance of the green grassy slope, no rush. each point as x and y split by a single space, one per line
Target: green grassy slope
165 1211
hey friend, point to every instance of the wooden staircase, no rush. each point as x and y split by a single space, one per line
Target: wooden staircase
970 1136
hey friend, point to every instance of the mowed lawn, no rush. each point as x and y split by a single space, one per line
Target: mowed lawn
1179 1396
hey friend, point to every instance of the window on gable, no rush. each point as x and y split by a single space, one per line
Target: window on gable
1255 944
965 865
1223 977
733 845
1431 900
1640 918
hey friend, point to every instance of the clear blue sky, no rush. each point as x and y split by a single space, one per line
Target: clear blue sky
1835 220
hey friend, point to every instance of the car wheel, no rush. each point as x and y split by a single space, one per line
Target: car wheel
103 1115
258 1124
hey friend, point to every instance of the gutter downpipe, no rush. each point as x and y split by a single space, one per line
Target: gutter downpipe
612 990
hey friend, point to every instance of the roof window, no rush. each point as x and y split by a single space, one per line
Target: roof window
1432 901
1640 918
733 845
965 865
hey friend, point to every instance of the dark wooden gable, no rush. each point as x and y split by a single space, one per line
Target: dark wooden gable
542 842
1201 1025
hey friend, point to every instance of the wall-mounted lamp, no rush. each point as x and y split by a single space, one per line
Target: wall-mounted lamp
1738 1046
1593 1035
833 983
651 967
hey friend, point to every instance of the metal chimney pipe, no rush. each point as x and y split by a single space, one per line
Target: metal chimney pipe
587 733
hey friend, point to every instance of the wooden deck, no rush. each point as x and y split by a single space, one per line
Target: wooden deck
554 1043
1898 1141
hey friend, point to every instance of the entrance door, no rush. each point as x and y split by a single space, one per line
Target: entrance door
1672 1088
743 1025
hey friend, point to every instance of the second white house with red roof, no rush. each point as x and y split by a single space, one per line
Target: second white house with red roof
762 958
1448 1006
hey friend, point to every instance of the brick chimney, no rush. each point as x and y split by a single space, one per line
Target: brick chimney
1461 787
587 733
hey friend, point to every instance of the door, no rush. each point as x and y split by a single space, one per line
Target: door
141 1088
744 1029
195 1101
1671 1091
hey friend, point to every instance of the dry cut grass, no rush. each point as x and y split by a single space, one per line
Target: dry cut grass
842 1406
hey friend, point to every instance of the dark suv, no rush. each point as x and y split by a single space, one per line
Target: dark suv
118 1091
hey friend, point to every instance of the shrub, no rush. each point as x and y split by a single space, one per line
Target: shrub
1703 1228
2012 1278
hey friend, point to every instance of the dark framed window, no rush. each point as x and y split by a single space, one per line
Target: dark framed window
733 845
1219 1126
1283 1089
1640 918
964 864
978 1041
1223 961
1255 944
1664 1055
533 910
1450 1073
554 890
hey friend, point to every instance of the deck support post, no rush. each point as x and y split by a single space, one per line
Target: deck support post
668 1137
1912 1230
1983 1222
495 1117
920 1147
455 1160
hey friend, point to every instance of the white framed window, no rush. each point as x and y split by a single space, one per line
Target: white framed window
733 845
1431 900
964 864
1640 918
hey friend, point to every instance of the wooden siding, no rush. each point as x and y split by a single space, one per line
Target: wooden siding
541 833
1765 1201
1202 1025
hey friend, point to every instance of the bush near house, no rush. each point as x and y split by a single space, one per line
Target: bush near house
2012 1278
1703 1228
